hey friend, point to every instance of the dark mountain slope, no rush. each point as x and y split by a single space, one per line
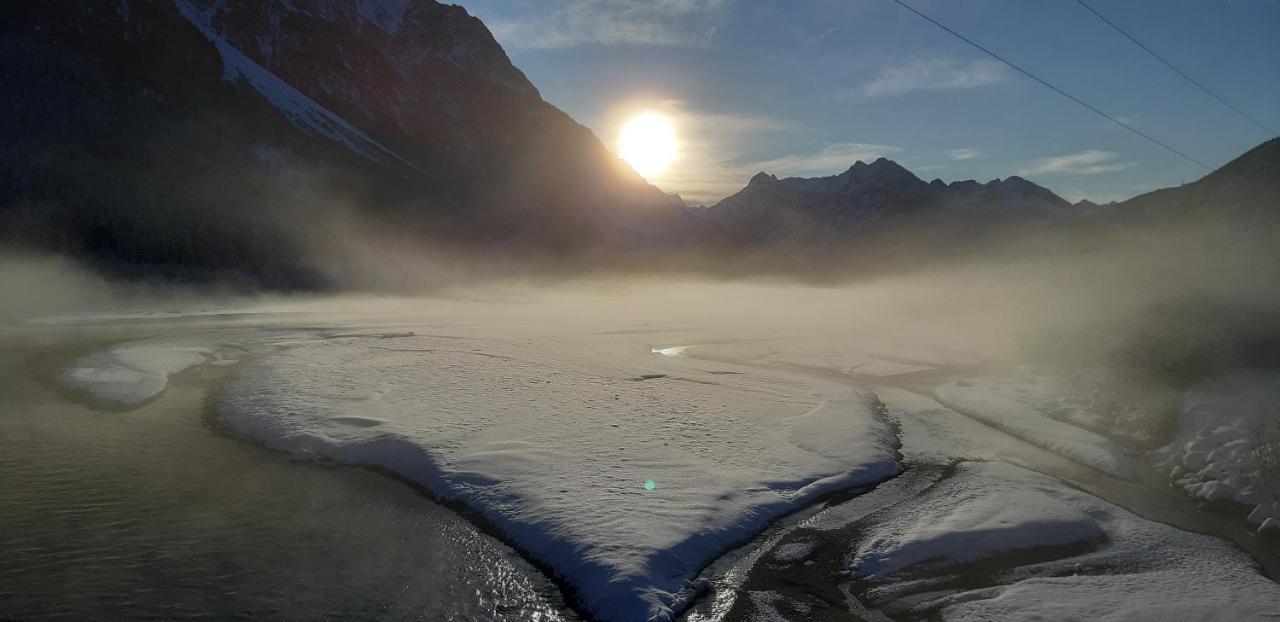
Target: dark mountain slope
1246 190
196 138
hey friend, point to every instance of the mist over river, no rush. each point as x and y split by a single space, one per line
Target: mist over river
159 513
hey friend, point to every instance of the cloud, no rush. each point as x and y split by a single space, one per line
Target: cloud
967 153
929 167
710 164
1089 162
934 75
830 160
690 23
705 176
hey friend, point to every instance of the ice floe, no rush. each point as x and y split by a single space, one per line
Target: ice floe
130 374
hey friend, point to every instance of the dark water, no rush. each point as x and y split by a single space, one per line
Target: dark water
154 513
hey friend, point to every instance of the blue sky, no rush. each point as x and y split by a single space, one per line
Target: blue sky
807 87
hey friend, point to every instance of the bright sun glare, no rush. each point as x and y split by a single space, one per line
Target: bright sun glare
648 143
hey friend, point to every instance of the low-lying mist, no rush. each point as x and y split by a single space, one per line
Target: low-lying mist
1147 311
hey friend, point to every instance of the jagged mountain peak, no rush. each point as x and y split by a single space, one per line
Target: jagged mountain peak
879 194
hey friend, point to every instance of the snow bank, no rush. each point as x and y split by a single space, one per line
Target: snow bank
552 441
1217 456
979 521
1031 425
130 374
1126 568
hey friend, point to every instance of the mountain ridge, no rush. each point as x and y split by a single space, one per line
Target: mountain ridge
201 138
870 196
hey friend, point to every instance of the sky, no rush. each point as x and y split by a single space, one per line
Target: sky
807 87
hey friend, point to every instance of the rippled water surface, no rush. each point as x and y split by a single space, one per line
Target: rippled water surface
154 513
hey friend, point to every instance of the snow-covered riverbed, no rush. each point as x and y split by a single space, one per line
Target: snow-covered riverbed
624 441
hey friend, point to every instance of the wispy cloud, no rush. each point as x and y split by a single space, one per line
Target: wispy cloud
830 160
1089 162
708 164
717 151
705 177
627 22
933 74
929 167
967 153
714 159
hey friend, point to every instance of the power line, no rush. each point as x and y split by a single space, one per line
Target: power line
1056 89
1176 70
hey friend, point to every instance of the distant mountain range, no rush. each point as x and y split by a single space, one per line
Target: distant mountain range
277 141
873 197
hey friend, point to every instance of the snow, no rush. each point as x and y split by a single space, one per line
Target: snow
1216 455
793 552
387 14
546 419
551 439
1214 458
1031 425
1119 567
130 374
979 520
302 111
672 351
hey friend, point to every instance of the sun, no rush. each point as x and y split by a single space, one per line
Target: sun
648 143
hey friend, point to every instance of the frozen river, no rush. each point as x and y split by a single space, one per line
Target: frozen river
605 450
156 513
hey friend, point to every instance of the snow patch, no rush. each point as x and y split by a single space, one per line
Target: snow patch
1031 425
793 551
1222 452
1023 512
130 374
387 14
1127 568
301 110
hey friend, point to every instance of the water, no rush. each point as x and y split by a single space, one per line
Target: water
155 513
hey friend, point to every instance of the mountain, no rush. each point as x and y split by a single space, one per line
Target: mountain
1245 190
875 198
243 137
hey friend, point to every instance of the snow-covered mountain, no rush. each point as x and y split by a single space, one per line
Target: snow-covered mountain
224 136
875 197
